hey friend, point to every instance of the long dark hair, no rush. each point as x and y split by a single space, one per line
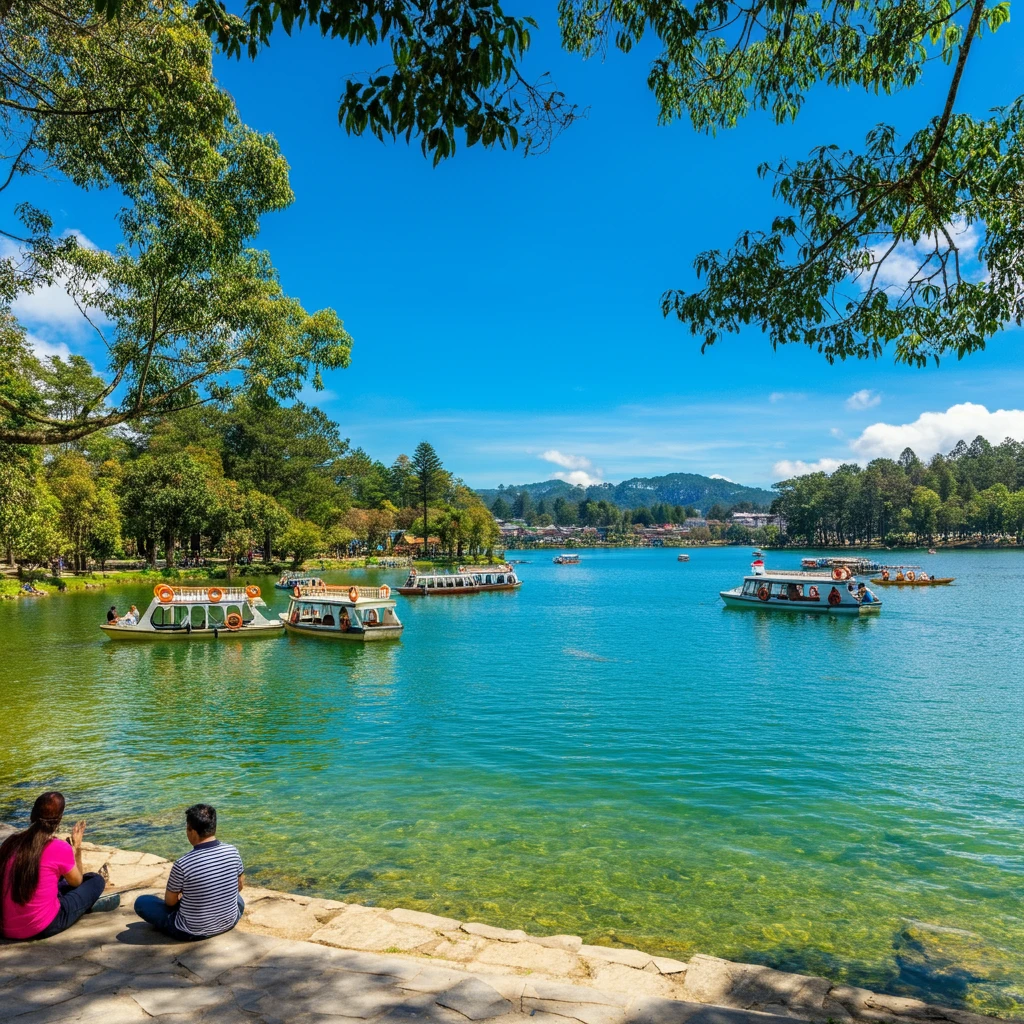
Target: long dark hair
23 850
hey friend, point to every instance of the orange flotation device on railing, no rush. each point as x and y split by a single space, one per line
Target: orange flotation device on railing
353 594
252 591
215 595
911 576
164 593
297 591
385 591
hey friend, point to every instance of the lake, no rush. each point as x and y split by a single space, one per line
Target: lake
607 752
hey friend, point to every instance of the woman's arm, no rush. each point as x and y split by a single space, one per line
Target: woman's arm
74 876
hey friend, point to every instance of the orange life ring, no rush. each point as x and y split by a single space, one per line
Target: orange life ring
353 594
233 621
164 592
295 616
297 591
911 576
835 597
762 594
215 594
813 593
252 591
385 591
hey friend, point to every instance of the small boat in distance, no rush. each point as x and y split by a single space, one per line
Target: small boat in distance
910 578
191 613
566 559
467 580
682 558
291 580
354 613
796 590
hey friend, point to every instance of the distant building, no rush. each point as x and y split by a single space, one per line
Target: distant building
755 520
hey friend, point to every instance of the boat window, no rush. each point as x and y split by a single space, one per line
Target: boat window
169 616
233 609
198 617
487 578
749 587
501 579
216 616
449 583
247 613
430 583
476 578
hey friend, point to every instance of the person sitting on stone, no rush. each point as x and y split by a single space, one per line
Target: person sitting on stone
202 897
43 888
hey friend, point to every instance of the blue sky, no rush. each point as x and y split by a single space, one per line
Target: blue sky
507 309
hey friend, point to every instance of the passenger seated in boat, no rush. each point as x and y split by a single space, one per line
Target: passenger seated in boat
899 576
346 622
923 577
370 619
864 595
132 618
112 613
44 888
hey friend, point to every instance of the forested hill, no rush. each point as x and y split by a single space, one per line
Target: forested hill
642 492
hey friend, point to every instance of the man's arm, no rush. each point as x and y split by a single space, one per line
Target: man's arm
241 881
175 885
172 899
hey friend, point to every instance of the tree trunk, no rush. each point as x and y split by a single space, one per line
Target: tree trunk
196 544
266 548
151 551
170 548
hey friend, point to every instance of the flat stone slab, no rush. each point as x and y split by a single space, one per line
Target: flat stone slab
424 920
475 999
628 957
486 931
750 986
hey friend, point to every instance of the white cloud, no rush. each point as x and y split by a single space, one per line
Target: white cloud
935 432
568 461
49 311
718 476
578 478
906 262
43 348
787 468
836 432
577 468
863 399
786 396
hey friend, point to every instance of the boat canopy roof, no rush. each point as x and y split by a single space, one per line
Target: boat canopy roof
796 576
342 595
204 595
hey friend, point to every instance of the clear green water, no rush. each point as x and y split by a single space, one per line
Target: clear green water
607 752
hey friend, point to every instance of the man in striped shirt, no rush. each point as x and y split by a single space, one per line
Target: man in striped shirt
202 897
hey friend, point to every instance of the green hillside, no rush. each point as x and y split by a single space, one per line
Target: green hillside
672 489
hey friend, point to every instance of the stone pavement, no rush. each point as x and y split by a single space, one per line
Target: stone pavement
301 960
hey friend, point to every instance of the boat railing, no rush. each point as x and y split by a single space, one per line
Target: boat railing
816 574
191 595
330 590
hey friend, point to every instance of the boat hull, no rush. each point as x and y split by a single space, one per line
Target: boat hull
734 600
455 591
122 633
364 636
941 582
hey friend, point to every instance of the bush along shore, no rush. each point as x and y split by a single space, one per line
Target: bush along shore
296 955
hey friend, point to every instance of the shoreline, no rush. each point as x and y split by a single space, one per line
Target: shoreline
551 974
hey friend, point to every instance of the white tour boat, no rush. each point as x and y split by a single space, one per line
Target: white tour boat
835 592
566 559
289 581
188 613
682 558
467 580
343 613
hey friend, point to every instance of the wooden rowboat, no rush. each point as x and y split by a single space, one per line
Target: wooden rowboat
941 581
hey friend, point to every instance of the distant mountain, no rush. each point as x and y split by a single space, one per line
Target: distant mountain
673 489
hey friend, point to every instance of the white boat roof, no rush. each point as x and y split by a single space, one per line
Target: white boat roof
797 576
380 596
201 595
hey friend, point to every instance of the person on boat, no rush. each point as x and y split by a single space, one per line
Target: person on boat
202 896
923 577
864 595
132 618
345 622
112 613
43 888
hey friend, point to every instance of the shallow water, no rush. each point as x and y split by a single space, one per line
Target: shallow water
607 752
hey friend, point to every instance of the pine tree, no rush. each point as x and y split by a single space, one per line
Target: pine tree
427 470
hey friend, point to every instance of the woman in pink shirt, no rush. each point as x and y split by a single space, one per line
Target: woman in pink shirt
43 889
